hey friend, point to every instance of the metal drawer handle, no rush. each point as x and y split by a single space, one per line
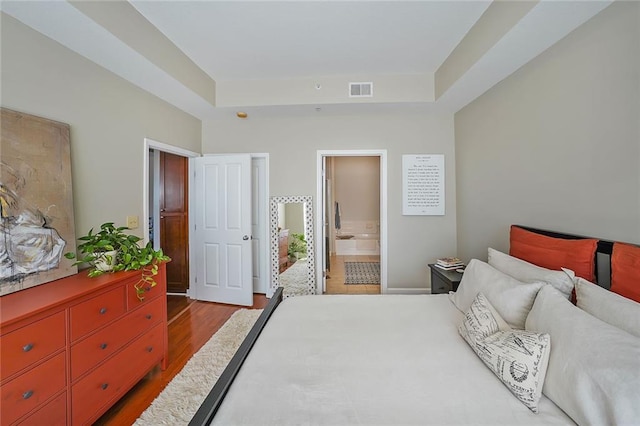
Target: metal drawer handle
148 316
27 394
104 386
103 346
103 311
150 349
27 347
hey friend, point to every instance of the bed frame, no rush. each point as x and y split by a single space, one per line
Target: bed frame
211 403
209 407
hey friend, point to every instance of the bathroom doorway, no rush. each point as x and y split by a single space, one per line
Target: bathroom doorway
352 222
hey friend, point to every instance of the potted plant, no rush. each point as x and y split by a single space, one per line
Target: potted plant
112 250
297 247
100 249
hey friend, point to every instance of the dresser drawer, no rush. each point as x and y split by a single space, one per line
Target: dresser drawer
96 312
53 413
92 395
94 349
30 344
27 391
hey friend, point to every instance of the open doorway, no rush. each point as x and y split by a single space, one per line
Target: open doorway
167 220
259 211
351 222
173 203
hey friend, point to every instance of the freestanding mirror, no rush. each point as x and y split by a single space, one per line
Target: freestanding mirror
292 245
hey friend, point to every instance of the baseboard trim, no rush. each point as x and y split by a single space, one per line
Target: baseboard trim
409 290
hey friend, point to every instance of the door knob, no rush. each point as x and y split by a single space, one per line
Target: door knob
246 237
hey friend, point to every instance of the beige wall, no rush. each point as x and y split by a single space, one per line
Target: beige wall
109 120
557 144
357 187
294 218
333 90
293 141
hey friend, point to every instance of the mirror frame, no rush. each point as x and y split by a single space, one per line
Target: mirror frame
307 200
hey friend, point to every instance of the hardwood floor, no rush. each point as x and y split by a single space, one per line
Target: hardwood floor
191 325
335 280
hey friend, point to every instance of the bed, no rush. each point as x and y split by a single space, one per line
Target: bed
342 360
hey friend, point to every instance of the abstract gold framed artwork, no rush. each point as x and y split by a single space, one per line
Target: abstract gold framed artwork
36 202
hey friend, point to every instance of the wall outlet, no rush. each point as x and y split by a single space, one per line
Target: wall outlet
132 222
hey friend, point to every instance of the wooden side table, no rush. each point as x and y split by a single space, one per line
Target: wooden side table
444 281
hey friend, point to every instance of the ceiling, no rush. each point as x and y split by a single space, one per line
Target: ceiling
278 40
212 57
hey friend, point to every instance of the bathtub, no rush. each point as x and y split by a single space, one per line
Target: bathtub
363 244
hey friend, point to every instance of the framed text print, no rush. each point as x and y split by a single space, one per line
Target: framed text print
423 184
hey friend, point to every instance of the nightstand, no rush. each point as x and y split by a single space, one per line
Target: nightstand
444 281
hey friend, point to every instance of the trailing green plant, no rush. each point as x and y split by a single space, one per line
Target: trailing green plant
297 246
146 259
95 244
129 257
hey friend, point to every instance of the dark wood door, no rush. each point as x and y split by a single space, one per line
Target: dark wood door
174 224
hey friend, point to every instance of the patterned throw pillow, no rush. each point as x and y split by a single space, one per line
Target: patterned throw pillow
481 321
518 358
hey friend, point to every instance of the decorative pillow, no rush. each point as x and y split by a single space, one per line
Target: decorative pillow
511 298
480 321
594 368
625 270
517 357
554 253
609 307
528 272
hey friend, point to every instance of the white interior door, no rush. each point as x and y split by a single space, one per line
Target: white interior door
259 228
324 256
223 229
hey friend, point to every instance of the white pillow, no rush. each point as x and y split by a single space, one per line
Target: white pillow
521 270
608 306
594 368
511 298
517 357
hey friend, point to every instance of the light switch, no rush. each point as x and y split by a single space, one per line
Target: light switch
132 222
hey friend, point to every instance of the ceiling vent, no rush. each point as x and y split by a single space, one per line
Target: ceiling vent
361 90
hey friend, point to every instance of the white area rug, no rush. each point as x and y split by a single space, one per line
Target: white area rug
180 400
295 280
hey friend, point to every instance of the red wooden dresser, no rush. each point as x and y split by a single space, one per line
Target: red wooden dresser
69 349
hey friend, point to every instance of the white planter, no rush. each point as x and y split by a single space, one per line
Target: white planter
106 261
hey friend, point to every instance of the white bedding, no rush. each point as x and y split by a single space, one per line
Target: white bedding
364 360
